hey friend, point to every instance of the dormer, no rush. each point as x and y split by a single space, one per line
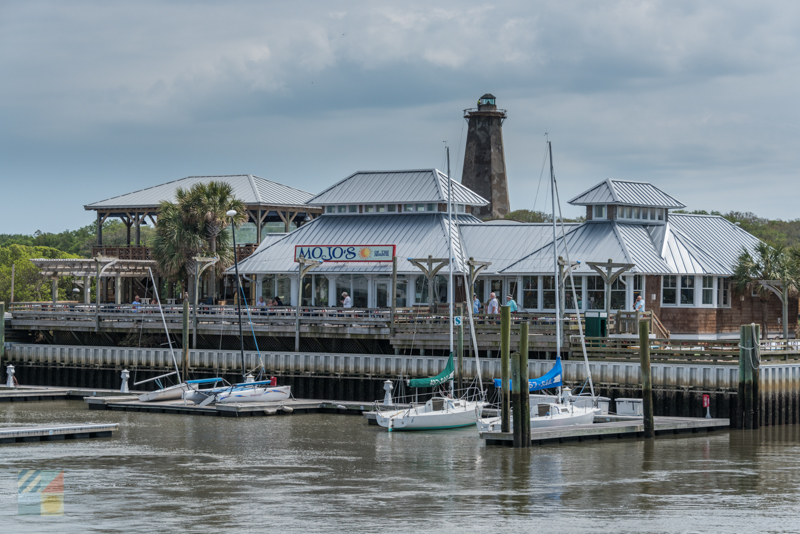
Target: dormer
396 192
626 201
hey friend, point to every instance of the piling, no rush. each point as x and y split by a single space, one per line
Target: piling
516 401
185 340
525 398
647 384
505 366
756 363
747 416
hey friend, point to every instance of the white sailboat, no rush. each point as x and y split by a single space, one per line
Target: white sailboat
442 411
568 410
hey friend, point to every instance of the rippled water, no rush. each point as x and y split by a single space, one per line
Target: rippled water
315 473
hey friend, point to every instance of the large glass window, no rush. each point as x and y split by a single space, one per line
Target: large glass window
669 289
724 292
402 292
569 299
549 292
637 286
267 287
708 290
421 290
496 287
440 289
479 288
595 293
360 291
320 290
618 294
308 291
687 290
343 285
512 289
530 292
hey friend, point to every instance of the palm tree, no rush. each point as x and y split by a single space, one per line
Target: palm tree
208 205
191 226
764 264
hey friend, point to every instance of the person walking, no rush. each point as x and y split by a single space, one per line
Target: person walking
639 304
511 303
493 307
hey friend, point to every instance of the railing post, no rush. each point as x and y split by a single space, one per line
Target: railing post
647 385
505 367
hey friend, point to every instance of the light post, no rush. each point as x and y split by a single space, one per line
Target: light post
232 214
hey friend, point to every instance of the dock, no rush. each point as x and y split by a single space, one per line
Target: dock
28 434
610 427
45 393
246 409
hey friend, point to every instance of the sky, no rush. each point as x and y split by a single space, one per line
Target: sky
98 99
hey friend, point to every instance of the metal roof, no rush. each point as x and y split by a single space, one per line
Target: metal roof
627 192
416 236
641 249
374 187
251 190
505 243
715 241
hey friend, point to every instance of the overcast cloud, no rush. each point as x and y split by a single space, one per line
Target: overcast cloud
99 99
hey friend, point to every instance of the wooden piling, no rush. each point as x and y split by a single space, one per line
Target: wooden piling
516 402
505 367
647 385
756 364
746 376
524 329
185 340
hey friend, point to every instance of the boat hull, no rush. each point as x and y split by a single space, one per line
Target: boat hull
415 419
170 393
256 394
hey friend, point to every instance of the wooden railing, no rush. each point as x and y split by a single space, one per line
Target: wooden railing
133 252
684 350
627 322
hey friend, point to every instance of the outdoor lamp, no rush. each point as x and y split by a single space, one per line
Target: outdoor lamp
231 213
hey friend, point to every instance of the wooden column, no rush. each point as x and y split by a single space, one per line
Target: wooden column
87 290
54 290
117 289
524 332
99 230
505 367
139 218
647 385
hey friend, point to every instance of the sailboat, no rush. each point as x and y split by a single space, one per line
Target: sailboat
250 391
563 409
443 410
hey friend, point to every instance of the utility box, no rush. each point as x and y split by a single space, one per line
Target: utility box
596 323
630 407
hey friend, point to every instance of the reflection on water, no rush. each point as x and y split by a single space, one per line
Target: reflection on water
334 473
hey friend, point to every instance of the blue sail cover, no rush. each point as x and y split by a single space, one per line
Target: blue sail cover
551 379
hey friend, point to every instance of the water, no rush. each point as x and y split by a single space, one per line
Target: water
322 473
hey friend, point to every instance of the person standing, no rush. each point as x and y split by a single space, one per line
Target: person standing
511 303
135 304
346 301
493 307
476 305
639 304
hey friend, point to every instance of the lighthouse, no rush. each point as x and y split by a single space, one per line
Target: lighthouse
484 169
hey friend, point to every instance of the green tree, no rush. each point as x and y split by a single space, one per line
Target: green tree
192 226
29 284
767 263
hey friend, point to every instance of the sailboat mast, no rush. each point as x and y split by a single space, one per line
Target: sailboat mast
450 289
555 249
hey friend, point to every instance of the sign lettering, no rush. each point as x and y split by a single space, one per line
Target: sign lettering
345 253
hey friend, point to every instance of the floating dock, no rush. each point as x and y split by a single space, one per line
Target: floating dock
44 393
245 409
27 434
610 427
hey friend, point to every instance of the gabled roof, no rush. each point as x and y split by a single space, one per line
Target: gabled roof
374 187
626 192
251 190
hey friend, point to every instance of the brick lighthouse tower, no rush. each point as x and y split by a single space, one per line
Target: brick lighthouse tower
484 168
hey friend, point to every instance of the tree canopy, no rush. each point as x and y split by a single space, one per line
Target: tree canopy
29 284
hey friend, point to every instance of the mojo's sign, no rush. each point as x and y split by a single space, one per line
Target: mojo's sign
349 253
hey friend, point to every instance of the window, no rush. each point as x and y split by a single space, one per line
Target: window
420 207
330 209
595 293
599 212
421 290
512 289
402 292
708 290
548 292
618 294
369 209
724 292
459 208
660 215
568 297
479 288
687 290
408 207
431 207
380 208
283 288
637 287
530 292
669 289
628 212
352 209
342 209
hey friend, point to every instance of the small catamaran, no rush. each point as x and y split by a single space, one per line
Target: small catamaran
443 410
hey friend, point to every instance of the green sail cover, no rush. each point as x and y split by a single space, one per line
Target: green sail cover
441 378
